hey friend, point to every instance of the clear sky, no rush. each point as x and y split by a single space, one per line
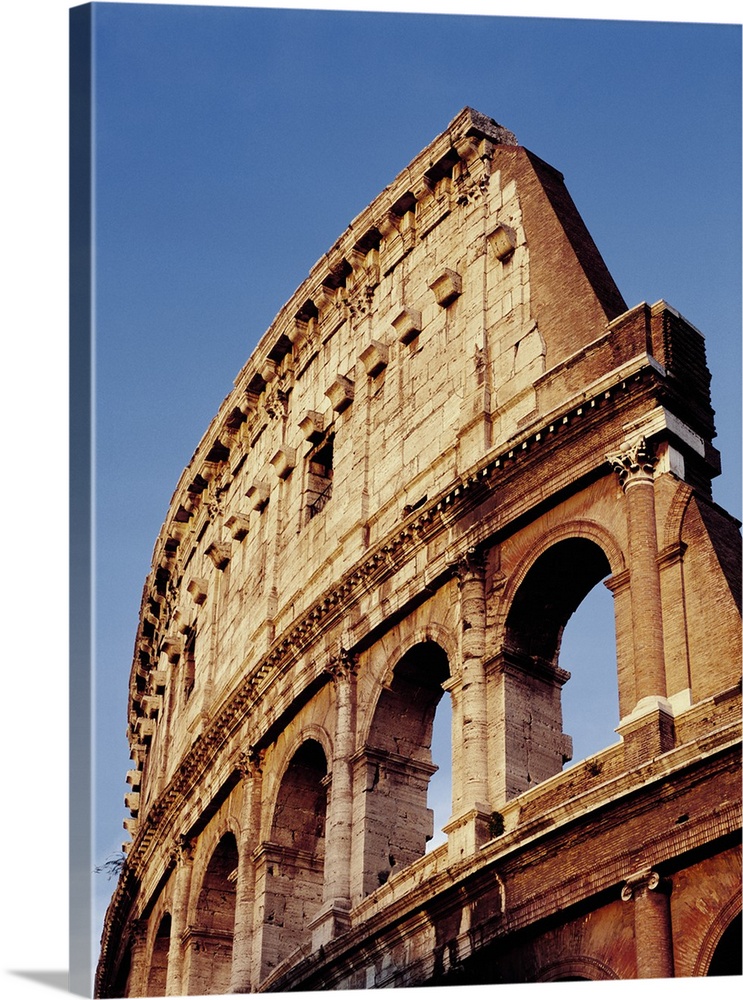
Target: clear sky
234 145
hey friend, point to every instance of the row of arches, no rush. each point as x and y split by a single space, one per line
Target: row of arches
292 866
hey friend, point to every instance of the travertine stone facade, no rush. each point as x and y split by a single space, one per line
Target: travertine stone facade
450 434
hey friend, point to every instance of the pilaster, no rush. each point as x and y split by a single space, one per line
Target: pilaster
470 827
183 854
648 730
250 765
138 969
334 918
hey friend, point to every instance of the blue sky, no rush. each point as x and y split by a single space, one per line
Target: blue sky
234 145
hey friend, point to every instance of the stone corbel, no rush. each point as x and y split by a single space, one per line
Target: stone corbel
407 325
269 371
131 802
131 826
388 225
283 461
258 494
374 357
152 705
197 588
238 526
219 553
340 393
144 729
446 287
502 241
312 426
172 646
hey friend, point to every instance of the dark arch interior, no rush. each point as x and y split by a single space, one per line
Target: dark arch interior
553 588
728 957
158 974
403 720
398 821
215 920
299 817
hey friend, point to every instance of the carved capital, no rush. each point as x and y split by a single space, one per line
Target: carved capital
138 932
635 465
643 881
219 553
275 401
182 850
470 567
249 763
342 666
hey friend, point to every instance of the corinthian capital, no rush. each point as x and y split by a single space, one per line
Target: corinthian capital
342 665
634 465
249 763
470 567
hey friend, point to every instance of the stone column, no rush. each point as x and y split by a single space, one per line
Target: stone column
650 896
648 730
250 766
138 968
334 916
635 468
471 828
183 851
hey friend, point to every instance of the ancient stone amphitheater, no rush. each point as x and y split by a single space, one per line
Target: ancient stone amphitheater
453 430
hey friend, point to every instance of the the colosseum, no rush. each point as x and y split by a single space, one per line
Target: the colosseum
453 430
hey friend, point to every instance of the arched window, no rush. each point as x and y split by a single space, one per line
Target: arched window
210 942
727 958
590 699
398 821
159 962
439 788
295 857
555 585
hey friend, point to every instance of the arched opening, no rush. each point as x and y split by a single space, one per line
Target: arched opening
294 860
727 959
536 746
439 787
159 962
211 939
398 821
590 699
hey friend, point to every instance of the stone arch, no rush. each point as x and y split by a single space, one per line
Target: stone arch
211 933
586 529
394 767
283 759
433 633
556 581
541 595
291 864
576 967
158 973
675 516
715 954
